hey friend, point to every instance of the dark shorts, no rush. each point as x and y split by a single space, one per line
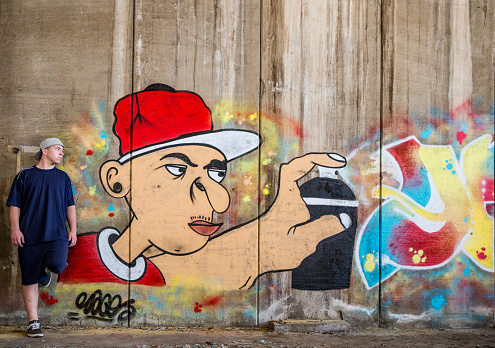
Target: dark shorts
35 258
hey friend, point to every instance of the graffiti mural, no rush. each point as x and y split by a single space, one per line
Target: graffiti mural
170 172
421 228
437 200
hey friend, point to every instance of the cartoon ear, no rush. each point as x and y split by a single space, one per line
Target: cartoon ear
115 178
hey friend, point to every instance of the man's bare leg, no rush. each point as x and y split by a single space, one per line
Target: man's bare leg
30 296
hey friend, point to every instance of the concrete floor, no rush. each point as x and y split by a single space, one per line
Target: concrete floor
11 336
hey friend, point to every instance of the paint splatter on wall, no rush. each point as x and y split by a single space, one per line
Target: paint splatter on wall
82 163
280 142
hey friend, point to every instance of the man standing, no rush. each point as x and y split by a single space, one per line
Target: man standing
40 202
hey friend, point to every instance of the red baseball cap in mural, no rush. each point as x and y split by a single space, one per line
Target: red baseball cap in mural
160 117
47 143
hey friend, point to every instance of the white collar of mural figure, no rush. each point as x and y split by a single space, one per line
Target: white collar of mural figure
113 263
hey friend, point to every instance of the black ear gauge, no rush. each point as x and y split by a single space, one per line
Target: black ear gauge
117 187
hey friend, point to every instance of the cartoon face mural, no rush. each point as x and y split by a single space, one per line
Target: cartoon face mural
185 179
170 174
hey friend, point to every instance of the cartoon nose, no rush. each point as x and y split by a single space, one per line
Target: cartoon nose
199 185
217 195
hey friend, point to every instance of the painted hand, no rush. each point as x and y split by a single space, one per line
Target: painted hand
289 202
293 236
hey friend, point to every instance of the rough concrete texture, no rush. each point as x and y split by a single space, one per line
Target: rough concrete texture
318 326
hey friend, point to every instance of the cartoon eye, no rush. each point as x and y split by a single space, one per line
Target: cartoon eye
176 169
217 174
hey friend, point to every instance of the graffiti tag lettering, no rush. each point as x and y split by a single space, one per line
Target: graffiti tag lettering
105 307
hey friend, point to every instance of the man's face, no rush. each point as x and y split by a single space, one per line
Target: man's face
54 153
174 195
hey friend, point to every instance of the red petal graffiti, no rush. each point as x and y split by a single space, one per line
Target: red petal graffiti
47 299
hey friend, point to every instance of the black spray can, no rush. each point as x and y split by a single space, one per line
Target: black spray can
330 266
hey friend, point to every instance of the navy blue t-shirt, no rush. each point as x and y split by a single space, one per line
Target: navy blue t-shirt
43 195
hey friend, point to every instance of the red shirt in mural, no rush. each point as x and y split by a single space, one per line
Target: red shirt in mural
93 260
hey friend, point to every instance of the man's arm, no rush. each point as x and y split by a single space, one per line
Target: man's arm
72 218
17 236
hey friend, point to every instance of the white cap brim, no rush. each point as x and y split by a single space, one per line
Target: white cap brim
231 143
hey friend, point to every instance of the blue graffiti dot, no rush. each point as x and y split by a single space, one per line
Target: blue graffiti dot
103 134
466 272
437 302
450 166
426 133
453 172
466 218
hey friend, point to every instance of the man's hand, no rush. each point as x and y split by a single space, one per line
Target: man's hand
17 237
72 238
71 217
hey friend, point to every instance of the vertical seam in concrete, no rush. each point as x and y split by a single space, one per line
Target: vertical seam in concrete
382 42
133 43
260 87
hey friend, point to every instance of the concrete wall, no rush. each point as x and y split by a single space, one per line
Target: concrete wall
403 89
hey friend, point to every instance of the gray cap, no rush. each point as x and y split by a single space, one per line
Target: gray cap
47 143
